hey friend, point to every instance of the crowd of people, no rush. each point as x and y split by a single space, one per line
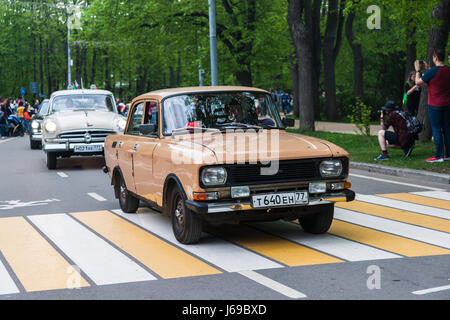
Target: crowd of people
15 116
437 80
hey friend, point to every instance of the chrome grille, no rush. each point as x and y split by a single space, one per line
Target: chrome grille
79 135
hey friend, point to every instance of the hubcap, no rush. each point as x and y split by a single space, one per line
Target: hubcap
179 214
123 191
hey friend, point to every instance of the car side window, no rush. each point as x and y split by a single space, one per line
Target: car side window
151 115
136 119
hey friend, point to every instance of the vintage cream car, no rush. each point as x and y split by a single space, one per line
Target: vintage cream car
78 122
222 155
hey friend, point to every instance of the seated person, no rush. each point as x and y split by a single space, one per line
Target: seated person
400 138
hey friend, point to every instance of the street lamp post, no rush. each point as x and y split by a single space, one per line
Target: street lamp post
213 42
69 74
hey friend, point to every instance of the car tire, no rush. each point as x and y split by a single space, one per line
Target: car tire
186 225
51 160
320 222
128 203
34 144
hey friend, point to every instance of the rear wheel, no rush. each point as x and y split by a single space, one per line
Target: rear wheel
186 225
319 222
51 160
128 203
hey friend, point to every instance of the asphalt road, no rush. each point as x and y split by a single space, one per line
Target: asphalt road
390 253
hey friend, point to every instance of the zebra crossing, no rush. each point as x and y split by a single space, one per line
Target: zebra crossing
83 249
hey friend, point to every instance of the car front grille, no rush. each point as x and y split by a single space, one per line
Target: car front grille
288 171
79 135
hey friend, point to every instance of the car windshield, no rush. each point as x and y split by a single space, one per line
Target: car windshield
220 111
83 101
43 110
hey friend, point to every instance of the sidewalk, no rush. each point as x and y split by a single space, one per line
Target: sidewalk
349 128
337 127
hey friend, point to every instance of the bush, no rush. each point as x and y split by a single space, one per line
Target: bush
360 117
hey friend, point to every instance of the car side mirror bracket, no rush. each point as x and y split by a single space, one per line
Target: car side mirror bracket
146 129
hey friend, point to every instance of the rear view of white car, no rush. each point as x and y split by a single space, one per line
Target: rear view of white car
77 123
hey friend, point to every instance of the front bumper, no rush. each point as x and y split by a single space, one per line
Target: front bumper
236 206
36 137
68 147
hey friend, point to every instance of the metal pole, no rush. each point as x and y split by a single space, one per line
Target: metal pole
213 42
69 75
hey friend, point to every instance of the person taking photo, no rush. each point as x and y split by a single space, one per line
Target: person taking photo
400 138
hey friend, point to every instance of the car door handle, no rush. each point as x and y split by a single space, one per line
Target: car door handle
136 146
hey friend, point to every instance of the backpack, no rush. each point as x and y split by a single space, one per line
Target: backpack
413 124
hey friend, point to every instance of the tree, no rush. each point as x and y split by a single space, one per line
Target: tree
331 46
300 26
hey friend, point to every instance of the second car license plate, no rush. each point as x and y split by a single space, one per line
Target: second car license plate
280 199
88 148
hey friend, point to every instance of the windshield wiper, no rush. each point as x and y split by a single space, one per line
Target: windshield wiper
238 125
244 125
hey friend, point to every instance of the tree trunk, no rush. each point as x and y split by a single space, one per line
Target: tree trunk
78 63
93 66
317 54
331 46
293 67
301 33
107 72
358 65
411 51
438 37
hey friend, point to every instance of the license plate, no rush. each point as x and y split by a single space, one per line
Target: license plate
280 199
88 148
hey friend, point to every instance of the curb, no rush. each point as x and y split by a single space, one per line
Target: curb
408 173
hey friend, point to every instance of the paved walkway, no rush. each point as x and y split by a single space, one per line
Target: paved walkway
341 127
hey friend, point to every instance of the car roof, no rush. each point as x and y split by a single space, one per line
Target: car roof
79 91
164 93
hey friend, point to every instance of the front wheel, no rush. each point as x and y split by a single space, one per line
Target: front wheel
128 203
320 222
51 160
186 225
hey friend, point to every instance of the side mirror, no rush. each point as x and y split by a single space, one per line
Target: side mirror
146 129
288 122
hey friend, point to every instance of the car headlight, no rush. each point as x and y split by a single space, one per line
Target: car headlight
120 124
214 176
330 168
50 126
34 124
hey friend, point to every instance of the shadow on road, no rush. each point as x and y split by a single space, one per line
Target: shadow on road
80 163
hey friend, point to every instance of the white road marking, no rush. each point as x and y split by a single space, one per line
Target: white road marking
403 205
8 139
431 290
12 204
272 284
7 285
336 246
96 196
221 253
395 182
434 194
99 260
62 174
434 237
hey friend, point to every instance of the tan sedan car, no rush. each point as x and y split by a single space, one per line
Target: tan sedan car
222 155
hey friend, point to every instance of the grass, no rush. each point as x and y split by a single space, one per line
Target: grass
365 149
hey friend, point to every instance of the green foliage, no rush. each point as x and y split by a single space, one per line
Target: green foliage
361 116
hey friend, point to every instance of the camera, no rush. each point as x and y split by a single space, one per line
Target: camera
422 64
